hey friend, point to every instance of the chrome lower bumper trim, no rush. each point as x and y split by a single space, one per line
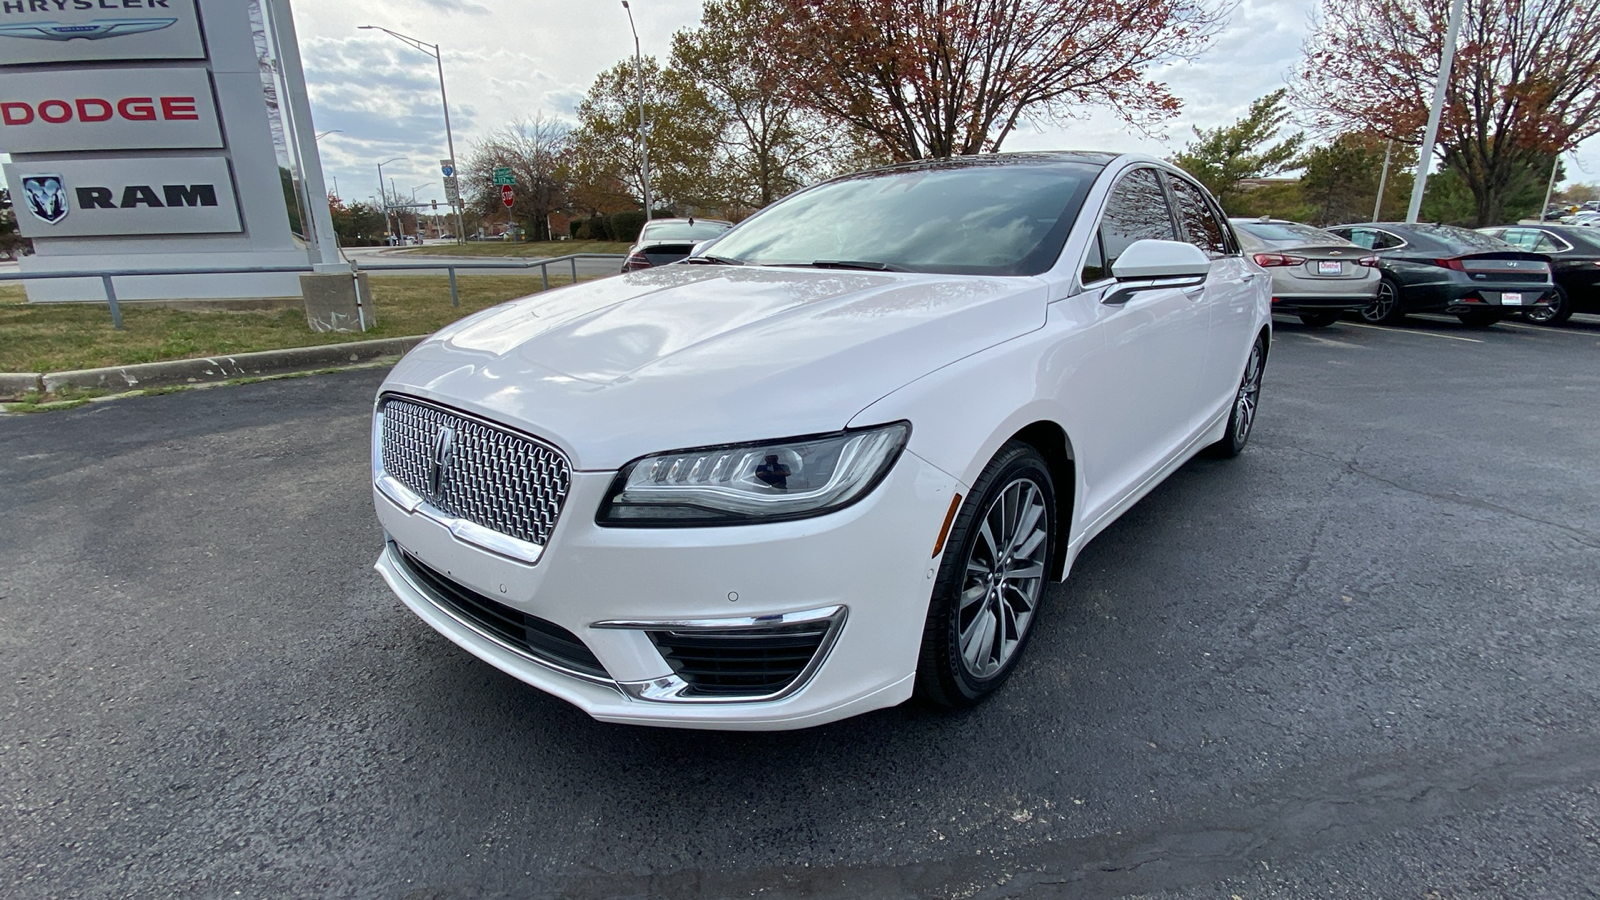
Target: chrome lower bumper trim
673 689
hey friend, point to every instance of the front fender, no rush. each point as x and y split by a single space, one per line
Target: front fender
962 413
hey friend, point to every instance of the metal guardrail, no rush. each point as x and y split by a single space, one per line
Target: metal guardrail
356 268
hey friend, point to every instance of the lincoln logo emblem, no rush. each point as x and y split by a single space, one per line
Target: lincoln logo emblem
444 450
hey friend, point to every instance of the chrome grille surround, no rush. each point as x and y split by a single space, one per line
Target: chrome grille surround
500 490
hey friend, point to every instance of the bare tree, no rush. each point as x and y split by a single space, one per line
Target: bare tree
1525 86
936 78
535 150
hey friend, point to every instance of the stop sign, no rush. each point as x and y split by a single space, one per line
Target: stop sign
506 196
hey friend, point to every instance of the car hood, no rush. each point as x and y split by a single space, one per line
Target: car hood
687 356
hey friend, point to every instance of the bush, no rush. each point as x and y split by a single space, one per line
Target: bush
572 228
625 226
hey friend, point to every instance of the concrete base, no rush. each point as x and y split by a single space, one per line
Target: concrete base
338 302
164 287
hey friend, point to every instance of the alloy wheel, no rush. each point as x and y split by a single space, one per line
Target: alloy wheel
1004 578
1382 306
1540 315
1244 404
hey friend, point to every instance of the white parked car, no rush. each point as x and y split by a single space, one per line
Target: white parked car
833 458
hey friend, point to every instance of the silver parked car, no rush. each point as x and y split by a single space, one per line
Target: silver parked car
664 241
1315 275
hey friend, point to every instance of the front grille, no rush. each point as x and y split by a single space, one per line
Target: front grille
501 480
527 634
742 661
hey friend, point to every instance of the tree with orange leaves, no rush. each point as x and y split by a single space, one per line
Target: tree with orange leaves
938 78
1525 85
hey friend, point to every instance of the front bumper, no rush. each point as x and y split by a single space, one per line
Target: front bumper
610 586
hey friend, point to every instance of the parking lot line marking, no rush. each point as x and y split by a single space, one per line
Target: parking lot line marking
1448 337
1323 340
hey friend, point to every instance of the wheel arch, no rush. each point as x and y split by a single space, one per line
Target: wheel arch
1052 442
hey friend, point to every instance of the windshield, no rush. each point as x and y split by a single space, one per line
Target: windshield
1287 233
682 231
1008 218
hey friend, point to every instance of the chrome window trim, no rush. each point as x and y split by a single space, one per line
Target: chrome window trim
673 689
1562 244
392 550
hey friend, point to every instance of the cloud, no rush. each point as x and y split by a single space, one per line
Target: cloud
510 59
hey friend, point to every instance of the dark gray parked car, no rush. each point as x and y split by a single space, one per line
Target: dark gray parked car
1441 268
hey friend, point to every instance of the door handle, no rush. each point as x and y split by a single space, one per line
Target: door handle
1195 292
1249 276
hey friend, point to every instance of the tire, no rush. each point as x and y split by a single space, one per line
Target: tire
1385 308
1319 319
1479 318
981 614
1559 311
1242 418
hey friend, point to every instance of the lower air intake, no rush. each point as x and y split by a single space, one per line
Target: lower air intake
743 661
528 635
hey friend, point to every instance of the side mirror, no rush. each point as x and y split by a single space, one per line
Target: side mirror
1146 260
1148 265
700 245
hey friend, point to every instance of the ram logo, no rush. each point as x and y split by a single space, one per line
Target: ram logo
47 197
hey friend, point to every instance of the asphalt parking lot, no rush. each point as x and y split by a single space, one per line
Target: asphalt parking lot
1362 660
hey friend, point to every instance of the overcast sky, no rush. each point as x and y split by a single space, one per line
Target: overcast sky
510 58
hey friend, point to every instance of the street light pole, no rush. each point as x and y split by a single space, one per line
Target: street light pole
1555 165
1383 181
384 196
1425 161
644 141
449 136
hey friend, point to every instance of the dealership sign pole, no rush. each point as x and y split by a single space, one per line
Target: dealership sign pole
325 254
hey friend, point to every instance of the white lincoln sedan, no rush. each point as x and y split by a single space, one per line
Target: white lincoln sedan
833 458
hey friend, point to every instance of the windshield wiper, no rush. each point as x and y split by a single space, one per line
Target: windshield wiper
855 264
712 261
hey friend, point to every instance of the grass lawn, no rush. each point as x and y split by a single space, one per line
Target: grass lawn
508 248
59 337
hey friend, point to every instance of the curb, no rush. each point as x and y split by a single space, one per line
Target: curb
213 369
14 385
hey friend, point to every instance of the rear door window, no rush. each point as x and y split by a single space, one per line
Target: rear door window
1200 226
1136 211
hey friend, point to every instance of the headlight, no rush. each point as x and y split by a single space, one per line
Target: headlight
747 483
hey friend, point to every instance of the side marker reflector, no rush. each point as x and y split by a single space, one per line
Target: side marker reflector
944 530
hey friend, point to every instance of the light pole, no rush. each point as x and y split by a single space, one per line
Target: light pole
450 140
644 142
1425 161
384 194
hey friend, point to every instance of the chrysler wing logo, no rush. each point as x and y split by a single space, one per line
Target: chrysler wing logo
94 31
47 197
444 450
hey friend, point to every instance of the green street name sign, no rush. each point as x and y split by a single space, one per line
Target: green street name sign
502 175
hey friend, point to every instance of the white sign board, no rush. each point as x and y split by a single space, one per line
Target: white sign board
107 109
96 197
71 31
